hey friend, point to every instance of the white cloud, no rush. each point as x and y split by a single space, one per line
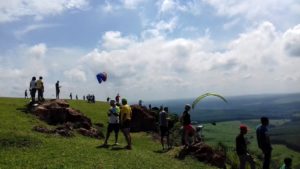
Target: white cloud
148 66
38 50
166 26
75 74
231 24
292 41
257 10
15 9
256 61
114 40
160 28
132 4
32 28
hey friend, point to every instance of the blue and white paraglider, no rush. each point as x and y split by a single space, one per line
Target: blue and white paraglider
101 77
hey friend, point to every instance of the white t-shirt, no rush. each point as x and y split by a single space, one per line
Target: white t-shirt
114 119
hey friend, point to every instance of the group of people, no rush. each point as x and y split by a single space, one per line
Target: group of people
36 86
90 98
119 118
263 141
264 144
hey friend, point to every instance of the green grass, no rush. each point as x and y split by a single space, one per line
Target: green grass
22 148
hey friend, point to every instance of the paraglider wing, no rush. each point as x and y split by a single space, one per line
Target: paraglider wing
104 76
205 95
101 77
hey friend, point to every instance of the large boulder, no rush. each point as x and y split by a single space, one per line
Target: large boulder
142 119
58 112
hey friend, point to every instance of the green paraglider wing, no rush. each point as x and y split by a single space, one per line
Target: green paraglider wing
205 95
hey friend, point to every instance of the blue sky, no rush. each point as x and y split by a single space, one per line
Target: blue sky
151 50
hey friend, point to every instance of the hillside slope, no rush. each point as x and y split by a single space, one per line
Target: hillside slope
20 147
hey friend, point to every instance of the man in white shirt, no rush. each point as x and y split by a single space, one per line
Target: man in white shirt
113 125
32 89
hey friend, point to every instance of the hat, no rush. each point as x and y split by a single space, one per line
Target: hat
187 107
243 127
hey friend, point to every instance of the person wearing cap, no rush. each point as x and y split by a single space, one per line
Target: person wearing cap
113 125
186 122
125 119
241 149
263 141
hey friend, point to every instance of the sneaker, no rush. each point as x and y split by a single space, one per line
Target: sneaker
116 144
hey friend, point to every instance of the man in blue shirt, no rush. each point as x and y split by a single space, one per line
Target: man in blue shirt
263 141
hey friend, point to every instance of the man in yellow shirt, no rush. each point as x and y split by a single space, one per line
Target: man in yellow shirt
125 119
40 89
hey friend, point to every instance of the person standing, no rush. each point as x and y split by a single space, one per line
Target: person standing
263 141
125 119
26 95
32 89
57 89
71 96
113 125
164 127
118 98
76 97
40 89
241 149
287 163
186 123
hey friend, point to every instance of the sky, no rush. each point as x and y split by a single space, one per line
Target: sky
151 50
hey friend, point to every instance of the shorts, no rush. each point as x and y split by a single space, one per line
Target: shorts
189 129
125 124
164 131
113 127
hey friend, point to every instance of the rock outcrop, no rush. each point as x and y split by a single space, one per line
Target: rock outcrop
204 153
142 119
58 112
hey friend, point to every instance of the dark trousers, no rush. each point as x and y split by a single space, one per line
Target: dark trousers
267 159
40 95
32 94
57 94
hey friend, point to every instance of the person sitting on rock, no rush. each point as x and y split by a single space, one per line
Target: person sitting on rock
113 125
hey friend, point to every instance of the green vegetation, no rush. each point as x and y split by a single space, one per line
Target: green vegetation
20 147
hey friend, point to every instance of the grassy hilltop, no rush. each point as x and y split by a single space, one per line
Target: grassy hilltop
20 147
